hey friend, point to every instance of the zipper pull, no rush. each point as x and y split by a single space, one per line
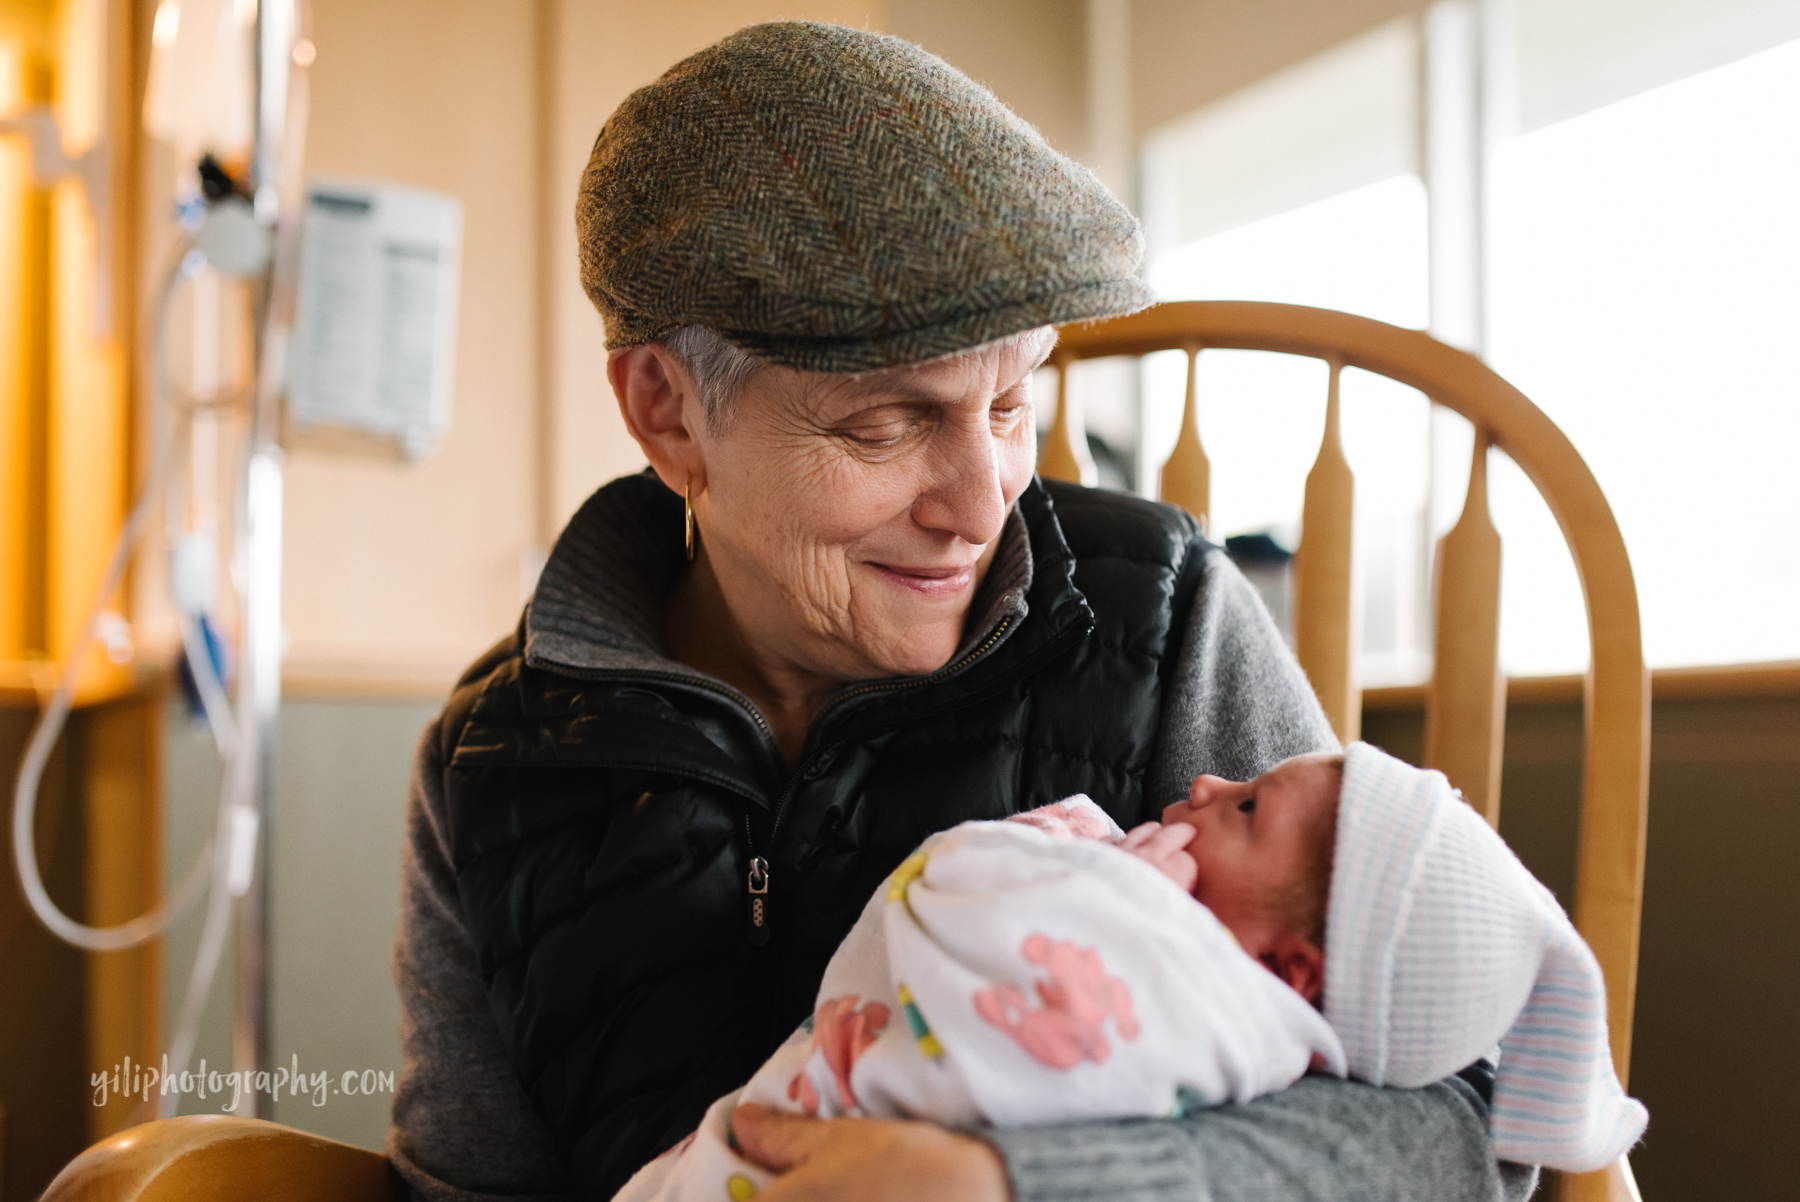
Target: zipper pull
759 901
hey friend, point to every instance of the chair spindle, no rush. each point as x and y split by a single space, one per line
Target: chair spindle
1065 455
1324 599
1187 474
1465 704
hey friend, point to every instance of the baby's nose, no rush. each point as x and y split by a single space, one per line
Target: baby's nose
1205 790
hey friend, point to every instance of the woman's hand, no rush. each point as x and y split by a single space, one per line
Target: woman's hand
866 1159
1165 849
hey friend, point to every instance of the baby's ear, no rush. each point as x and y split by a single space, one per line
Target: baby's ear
1298 961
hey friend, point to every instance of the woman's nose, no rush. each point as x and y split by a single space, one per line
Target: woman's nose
965 496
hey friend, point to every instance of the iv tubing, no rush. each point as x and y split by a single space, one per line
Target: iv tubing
50 723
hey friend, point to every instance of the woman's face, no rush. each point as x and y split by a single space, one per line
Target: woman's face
849 520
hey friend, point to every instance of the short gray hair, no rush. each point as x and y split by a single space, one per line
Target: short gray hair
720 369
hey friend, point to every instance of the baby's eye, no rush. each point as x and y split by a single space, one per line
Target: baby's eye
1247 806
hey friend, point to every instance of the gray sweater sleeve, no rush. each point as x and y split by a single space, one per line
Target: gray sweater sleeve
1316 1141
1238 704
460 1114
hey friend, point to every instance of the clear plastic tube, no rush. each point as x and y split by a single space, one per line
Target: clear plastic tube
213 862
55 715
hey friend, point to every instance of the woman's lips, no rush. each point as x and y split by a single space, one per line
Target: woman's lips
932 582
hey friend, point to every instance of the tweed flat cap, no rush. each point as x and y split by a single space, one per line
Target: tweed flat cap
836 200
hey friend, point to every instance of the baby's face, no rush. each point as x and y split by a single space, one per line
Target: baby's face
1256 842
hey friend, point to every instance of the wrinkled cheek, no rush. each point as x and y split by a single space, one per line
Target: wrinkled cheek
817 584
838 502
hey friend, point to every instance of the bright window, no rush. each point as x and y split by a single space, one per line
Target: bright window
1262 415
1644 290
1645 293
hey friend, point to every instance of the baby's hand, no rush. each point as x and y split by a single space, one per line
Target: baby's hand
1164 848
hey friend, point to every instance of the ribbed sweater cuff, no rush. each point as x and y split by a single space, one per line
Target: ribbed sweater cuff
1118 1162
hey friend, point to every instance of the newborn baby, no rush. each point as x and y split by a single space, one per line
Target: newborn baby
1343 914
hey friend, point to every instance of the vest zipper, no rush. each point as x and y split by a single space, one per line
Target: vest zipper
756 885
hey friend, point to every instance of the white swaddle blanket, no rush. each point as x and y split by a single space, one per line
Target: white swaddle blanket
1014 973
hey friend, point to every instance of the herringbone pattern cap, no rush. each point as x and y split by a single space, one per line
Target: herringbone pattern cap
836 200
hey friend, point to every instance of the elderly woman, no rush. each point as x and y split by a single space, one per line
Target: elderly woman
837 615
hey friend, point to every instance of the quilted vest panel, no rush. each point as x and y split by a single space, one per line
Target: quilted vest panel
602 828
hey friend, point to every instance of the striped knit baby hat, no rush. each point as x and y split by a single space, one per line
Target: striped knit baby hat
1440 944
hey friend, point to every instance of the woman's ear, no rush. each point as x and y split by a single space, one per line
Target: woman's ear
662 409
1298 961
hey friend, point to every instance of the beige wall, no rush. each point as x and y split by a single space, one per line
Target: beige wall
402 571
1187 52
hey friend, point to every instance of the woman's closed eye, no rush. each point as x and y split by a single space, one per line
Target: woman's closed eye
884 429
1010 412
885 434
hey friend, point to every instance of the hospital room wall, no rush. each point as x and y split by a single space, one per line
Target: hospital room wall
397 572
1186 53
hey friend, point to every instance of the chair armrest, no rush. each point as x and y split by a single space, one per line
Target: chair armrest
221 1158
1614 1183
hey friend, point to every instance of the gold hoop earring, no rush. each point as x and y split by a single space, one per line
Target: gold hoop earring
687 504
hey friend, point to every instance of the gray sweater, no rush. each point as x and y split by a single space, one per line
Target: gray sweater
464 1130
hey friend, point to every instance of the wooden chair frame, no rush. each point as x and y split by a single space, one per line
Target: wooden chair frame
223 1158
1465 702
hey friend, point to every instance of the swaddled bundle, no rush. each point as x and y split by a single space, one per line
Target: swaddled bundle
1016 973
1031 971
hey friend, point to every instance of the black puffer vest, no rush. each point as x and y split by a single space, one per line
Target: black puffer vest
602 827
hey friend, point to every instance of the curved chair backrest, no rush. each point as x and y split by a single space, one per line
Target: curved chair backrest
1466 699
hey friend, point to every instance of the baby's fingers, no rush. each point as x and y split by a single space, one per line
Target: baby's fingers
1137 836
1173 837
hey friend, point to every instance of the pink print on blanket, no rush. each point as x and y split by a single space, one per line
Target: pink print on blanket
1077 1000
1076 818
841 1034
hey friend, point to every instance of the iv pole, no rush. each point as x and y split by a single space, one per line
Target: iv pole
274 180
